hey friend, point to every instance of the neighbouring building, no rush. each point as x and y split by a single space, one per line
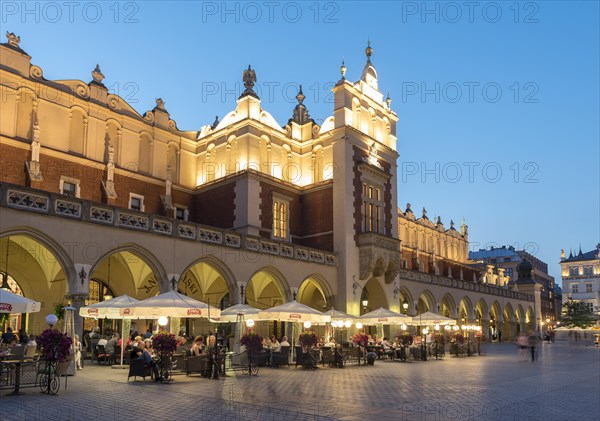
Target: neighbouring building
581 277
99 200
501 263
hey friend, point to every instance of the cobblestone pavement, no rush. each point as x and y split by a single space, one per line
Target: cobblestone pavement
563 385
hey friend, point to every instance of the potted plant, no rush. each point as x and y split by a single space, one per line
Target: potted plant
54 347
360 339
308 339
165 344
406 339
253 343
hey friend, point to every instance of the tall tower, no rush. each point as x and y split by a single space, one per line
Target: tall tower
365 186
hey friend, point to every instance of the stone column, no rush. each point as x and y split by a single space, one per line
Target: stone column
485 328
78 301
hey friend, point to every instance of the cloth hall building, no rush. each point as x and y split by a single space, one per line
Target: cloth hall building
98 199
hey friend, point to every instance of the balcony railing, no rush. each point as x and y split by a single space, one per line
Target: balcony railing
39 201
428 278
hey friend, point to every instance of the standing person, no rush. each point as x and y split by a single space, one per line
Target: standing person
522 344
77 348
533 342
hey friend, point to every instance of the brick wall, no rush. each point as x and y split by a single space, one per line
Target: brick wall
215 206
317 217
357 156
12 161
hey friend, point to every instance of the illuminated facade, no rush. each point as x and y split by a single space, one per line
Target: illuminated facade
96 194
581 277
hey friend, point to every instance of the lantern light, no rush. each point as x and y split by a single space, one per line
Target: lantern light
307 324
250 322
359 325
163 320
347 323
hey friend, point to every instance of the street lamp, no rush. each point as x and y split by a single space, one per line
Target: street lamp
51 319
405 306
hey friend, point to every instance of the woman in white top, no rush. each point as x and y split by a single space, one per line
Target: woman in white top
275 345
284 342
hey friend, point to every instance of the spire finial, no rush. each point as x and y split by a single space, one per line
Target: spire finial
388 101
343 69
249 79
300 97
369 50
97 75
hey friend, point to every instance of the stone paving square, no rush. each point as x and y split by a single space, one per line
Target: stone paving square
563 385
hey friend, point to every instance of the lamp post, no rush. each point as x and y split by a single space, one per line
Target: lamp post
51 319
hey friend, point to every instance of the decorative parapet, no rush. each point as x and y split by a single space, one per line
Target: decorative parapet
67 208
132 220
233 240
27 201
186 231
102 215
210 236
428 278
162 227
23 198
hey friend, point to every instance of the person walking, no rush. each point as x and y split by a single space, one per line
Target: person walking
522 343
533 342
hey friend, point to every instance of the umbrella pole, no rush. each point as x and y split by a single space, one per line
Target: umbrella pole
122 338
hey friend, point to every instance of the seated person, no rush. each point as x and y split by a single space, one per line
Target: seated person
266 343
198 346
330 343
102 342
110 344
275 345
32 341
149 346
284 341
144 355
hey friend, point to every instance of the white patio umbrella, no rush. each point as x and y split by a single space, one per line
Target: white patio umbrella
384 316
340 319
110 309
14 303
431 318
230 314
170 304
294 312
340 316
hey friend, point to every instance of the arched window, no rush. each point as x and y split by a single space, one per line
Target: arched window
97 292
172 161
77 132
318 164
113 137
25 103
145 154
356 114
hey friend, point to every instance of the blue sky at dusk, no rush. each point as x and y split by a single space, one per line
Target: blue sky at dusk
498 101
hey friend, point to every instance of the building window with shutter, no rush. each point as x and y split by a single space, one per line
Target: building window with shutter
280 218
69 187
372 208
136 202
